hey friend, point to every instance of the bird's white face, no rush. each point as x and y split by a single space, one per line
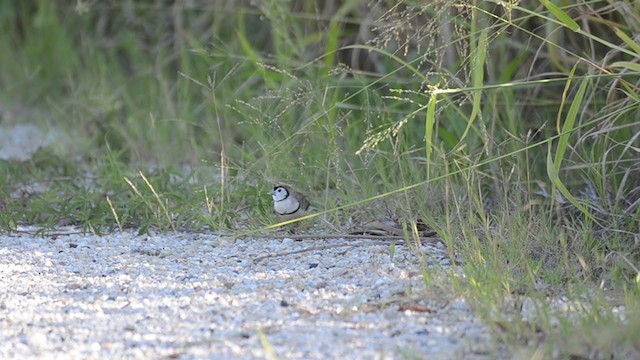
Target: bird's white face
283 202
279 193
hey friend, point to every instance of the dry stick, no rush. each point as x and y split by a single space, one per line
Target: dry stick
338 236
324 247
273 236
43 233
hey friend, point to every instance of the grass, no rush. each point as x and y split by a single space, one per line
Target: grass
510 128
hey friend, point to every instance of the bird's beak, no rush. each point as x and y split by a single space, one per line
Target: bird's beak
270 192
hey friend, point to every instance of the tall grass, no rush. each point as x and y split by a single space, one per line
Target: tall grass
511 128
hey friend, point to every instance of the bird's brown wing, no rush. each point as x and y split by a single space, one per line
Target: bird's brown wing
304 203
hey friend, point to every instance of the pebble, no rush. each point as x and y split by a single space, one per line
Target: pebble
192 296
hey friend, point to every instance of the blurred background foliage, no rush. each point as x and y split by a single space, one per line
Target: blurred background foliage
511 128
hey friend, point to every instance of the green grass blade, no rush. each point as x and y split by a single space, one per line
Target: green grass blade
430 123
477 77
271 353
570 119
627 40
555 180
333 35
332 44
626 65
554 165
561 15
250 53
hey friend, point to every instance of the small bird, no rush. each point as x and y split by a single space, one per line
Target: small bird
288 203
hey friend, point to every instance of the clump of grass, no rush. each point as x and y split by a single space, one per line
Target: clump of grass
510 128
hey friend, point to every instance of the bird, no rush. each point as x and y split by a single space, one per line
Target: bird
288 203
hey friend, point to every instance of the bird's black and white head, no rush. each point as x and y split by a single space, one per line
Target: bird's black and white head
279 193
288 202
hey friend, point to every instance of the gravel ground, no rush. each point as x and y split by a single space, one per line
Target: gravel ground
199 296
20 141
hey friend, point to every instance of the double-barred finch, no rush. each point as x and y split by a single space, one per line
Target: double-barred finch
288 203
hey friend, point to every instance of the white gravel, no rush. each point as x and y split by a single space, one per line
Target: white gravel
21 141
198 296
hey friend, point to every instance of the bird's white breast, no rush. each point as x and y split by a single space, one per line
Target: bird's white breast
286 206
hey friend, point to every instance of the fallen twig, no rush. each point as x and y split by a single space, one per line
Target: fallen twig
323 247
335 236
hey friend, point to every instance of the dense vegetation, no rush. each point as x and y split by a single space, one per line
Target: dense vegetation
511 128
